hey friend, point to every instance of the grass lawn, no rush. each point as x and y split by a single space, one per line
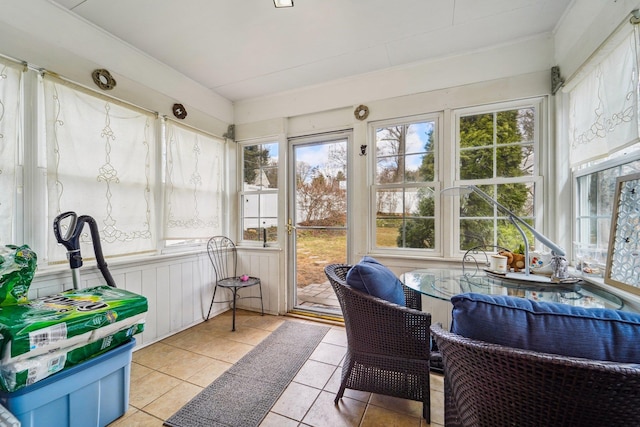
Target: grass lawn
317 248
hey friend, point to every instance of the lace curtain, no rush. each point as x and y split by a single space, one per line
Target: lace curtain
100 162
603 104
10 76
194 183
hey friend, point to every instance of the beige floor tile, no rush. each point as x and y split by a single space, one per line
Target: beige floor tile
266 322
323 413
380 417
337 335
167 404
149 388
225 350
275 420
295 401
188 365
333 385
139 419
138 371
409 407
436 381
437 407
247 335
314 374
209 373
158 356
328 353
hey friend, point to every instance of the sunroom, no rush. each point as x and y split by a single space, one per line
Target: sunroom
96 119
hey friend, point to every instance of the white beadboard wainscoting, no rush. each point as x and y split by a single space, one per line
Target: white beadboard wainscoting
178 287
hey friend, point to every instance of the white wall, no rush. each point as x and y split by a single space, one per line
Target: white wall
48 36
178 287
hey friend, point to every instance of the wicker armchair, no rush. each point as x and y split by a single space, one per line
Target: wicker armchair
387 344
492 385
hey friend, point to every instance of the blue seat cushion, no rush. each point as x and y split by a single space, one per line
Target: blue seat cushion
592 333
375 279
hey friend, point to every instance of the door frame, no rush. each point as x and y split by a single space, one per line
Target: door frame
290 253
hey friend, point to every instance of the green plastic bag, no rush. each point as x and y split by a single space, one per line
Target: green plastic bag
17 267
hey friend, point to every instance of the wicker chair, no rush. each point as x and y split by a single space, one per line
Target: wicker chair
492 385
387 344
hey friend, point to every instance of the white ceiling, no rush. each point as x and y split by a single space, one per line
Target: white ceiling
244 49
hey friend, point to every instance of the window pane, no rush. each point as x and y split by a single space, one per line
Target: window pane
595 195
416 170
389 170
387 231
405 153
259 216
405 218
476 163
260 166
476 130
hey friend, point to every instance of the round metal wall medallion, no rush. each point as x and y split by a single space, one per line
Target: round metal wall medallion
102 78
362 112
179 111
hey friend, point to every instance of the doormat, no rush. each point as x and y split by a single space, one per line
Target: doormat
244 394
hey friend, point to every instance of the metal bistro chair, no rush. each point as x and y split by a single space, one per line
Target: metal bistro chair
224 257
387 344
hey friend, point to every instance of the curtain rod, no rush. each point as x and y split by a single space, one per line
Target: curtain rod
632 18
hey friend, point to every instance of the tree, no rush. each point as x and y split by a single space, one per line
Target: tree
476 162
418 228
255 158
321 201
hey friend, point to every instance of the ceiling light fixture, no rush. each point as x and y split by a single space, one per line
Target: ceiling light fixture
283 3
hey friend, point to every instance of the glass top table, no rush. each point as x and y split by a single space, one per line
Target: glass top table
444 283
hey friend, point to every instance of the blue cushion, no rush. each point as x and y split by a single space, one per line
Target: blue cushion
375 279
592 333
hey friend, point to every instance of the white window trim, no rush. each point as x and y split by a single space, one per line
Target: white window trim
437 251
278 139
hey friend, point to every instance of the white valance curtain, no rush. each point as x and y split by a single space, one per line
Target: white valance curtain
603 100
194 183
10 76
100 162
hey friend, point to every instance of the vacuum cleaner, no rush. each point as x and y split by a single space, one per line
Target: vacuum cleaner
71 240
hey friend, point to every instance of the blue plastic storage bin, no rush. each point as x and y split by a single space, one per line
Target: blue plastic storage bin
93 393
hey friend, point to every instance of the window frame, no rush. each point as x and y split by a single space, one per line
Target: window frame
626 156
242 192
536 178
438 119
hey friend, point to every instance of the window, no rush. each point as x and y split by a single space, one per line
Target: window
101 163
193 185
405 184
496 149
10 76
83 151
602 136
259 193
594 196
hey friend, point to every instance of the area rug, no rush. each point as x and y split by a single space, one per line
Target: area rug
244 394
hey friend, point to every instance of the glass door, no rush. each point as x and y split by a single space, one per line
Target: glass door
317 223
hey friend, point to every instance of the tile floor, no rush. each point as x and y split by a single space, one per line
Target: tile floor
167 374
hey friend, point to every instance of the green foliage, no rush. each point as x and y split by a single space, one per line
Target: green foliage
255 158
